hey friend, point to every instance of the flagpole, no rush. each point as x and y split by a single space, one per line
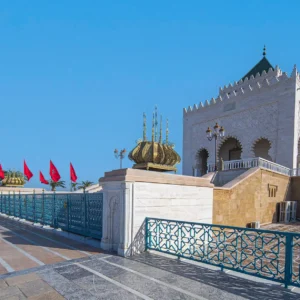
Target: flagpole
70 179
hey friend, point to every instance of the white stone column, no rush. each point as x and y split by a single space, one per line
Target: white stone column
126 219
111 215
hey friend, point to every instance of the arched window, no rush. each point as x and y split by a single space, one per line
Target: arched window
201 158
230 149
261 148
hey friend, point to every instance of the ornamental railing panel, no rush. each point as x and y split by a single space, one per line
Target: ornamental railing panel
295 278
60 209
73 212
30 208
78 214
38 208
262 253
48 210
94 214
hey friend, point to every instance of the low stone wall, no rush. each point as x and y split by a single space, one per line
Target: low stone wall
22 190
223 177
129 196
253 196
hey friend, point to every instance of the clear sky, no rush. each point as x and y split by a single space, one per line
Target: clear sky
76 76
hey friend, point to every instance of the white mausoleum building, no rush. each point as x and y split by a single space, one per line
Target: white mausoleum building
261 117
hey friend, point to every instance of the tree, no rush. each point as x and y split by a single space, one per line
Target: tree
85 184
57 184
74 186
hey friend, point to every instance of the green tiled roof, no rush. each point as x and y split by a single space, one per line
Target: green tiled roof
262 65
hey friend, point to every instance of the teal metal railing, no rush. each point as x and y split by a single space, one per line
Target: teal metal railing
79 213
267 254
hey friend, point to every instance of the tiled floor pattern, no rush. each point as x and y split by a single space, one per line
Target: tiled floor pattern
287 227
24 246
146 276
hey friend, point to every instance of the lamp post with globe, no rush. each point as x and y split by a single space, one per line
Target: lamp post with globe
217 133
120 155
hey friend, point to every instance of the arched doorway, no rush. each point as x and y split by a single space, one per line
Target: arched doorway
201 157
230 149
261 149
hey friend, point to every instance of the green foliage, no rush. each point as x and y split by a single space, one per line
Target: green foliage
74 186
58 184
85 184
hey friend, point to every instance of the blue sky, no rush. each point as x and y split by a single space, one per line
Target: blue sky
76 76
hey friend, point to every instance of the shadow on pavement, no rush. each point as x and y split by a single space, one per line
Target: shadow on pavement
217 279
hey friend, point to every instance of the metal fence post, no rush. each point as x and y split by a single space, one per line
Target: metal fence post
288 260
33 207
43 208
85 212
14 204
146 234
68 212
9 202
20 205
26 208
53 211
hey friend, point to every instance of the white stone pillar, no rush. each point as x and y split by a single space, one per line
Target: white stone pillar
105 241
126 219
111 216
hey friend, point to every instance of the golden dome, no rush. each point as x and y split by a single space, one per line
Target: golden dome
154 152
154 155
13 179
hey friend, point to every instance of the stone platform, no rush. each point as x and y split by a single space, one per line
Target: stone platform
49 266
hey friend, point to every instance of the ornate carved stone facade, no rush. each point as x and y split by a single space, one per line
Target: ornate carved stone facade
261 113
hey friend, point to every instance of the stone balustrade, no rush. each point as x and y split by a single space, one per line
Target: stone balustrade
251 163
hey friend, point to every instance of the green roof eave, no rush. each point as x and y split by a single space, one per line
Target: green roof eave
262 65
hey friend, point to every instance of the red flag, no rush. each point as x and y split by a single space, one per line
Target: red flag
53 172
27 172
1 173
73 173
42 179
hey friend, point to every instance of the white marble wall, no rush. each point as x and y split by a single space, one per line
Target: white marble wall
128 203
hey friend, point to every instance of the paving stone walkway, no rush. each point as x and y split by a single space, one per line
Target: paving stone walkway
24 246
38 264
146 276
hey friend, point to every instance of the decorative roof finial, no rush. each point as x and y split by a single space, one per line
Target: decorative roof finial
294 72
264 53
153 127
144 128
160 130
167 133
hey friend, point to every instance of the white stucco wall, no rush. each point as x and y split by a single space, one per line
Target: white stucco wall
262 107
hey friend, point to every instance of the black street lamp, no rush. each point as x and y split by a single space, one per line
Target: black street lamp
216 134
120 155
